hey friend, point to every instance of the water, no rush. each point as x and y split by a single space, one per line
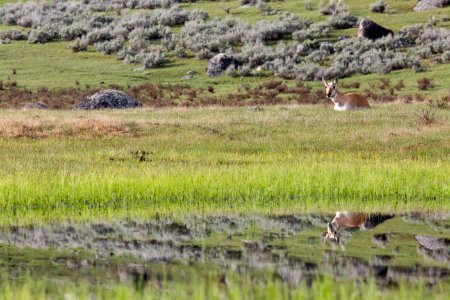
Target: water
291 247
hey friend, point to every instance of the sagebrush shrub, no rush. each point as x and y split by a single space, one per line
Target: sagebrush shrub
13 34
110 47
379 7
333 7
152 59
342 21
315 31
80 44
43 34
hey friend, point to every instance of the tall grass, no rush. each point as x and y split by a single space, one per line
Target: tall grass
294 159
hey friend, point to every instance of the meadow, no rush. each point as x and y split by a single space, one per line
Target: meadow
73 164
222 187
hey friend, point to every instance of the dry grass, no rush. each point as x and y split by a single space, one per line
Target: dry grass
35 126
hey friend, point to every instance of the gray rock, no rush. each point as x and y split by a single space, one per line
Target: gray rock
219 63
370 30
108 99
430 4
35 105
433 243
434 248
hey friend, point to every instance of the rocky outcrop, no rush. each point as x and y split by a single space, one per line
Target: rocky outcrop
370 30
113 99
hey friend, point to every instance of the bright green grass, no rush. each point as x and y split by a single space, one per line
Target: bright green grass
211 288
297 160
54 65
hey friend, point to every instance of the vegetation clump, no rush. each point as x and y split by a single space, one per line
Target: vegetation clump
379 6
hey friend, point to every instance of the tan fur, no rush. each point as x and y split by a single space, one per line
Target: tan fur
353 99
348 101
343 220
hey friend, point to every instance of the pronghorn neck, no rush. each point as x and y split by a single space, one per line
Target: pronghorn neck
337 99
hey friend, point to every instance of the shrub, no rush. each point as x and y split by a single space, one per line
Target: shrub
424 84
180 52
256 54
99 35
171 17
333 7
309 71
446 56
110 47
342 21
13 34
43 34
400 85
153 59
80 44
197 14
426 117
317 56
409 34
365 56
73 31
433 41
379 7
315 31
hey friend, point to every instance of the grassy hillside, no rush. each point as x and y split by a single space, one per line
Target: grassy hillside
54 65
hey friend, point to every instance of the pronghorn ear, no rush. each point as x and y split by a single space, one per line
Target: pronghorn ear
324 81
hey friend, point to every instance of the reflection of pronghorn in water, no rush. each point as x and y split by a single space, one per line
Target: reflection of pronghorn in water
344 101
344 219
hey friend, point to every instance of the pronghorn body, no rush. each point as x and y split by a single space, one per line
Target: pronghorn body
345 219
342 102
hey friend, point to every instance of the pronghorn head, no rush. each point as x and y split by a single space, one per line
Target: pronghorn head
330 88
332 232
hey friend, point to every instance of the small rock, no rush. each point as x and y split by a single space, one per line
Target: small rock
256 108
35 105
433 243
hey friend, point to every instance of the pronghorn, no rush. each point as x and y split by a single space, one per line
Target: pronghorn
344 219
344 101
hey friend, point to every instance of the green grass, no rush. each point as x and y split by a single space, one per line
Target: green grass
211 288
55 66
294 159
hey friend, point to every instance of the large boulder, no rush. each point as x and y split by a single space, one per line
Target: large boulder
430 4
370 30
108 99
220 63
